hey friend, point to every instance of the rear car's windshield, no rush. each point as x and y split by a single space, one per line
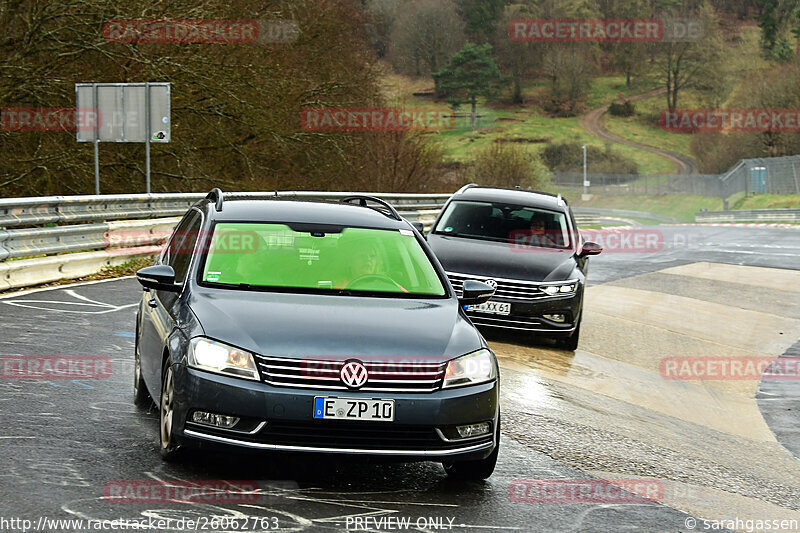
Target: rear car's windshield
336 259
502 222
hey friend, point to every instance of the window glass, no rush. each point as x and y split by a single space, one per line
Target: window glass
501 222
351 259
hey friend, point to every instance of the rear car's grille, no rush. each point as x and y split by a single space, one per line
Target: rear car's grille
350 434
506 288
401 375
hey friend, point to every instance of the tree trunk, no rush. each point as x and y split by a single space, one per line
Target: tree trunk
516 98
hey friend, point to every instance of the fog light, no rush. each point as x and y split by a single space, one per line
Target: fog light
555 318
212 419
473 430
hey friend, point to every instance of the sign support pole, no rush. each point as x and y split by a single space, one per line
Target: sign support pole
96 143
148 133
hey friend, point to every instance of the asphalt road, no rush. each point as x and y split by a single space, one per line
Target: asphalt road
62 442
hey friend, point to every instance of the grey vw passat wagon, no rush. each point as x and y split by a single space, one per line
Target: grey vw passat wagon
314 327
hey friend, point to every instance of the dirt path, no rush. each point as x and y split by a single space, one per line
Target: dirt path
593 123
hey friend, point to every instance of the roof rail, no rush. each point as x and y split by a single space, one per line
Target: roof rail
465 187
215 196
363 199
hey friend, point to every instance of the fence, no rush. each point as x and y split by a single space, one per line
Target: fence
772 175
571 183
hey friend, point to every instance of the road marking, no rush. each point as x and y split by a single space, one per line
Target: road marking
85 301
60 287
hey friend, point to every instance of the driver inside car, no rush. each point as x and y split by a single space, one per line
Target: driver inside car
364 269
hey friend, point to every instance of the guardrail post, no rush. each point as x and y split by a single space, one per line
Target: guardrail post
3 252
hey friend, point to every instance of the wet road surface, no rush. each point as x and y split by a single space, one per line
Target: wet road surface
600 412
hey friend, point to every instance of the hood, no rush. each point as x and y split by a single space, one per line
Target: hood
502 260
307 325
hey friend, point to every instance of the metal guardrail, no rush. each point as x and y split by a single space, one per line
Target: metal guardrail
17 212
749 215
102 211
50 238
66 237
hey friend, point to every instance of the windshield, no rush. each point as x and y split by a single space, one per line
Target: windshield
502 222
341 260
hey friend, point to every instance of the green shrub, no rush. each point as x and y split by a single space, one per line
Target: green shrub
508 165
625 109
568 157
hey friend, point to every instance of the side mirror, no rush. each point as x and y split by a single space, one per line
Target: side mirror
158 277
590 248
419 227
476 292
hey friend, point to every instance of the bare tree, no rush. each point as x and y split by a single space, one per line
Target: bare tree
235 107
424 35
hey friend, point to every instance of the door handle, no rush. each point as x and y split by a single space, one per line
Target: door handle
152 303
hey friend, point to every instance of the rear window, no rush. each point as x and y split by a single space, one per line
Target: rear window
330 259
502 222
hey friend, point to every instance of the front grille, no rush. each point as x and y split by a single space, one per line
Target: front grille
350 434
384 376
508 289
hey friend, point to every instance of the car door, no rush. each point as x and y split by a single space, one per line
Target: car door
158 307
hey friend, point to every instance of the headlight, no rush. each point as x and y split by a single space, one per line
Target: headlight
471 369
214 356
559 288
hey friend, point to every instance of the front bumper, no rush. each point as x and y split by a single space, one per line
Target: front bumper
528 315
281 419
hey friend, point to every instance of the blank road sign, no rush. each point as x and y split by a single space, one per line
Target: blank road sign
122 110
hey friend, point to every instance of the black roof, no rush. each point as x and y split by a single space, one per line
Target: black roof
319 212
514 196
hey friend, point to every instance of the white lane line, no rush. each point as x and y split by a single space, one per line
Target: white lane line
44 305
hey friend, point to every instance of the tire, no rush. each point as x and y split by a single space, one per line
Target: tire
141 398
475 470
170 448
571 342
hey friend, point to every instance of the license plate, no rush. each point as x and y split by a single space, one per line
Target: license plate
492 308
354 409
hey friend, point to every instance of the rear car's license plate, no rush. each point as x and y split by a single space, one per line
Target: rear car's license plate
354 409
492 308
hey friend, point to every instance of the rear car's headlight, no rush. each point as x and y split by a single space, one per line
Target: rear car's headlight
215 356
559 288
471 369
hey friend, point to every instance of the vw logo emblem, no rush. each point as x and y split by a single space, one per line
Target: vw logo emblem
353 374
492 283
